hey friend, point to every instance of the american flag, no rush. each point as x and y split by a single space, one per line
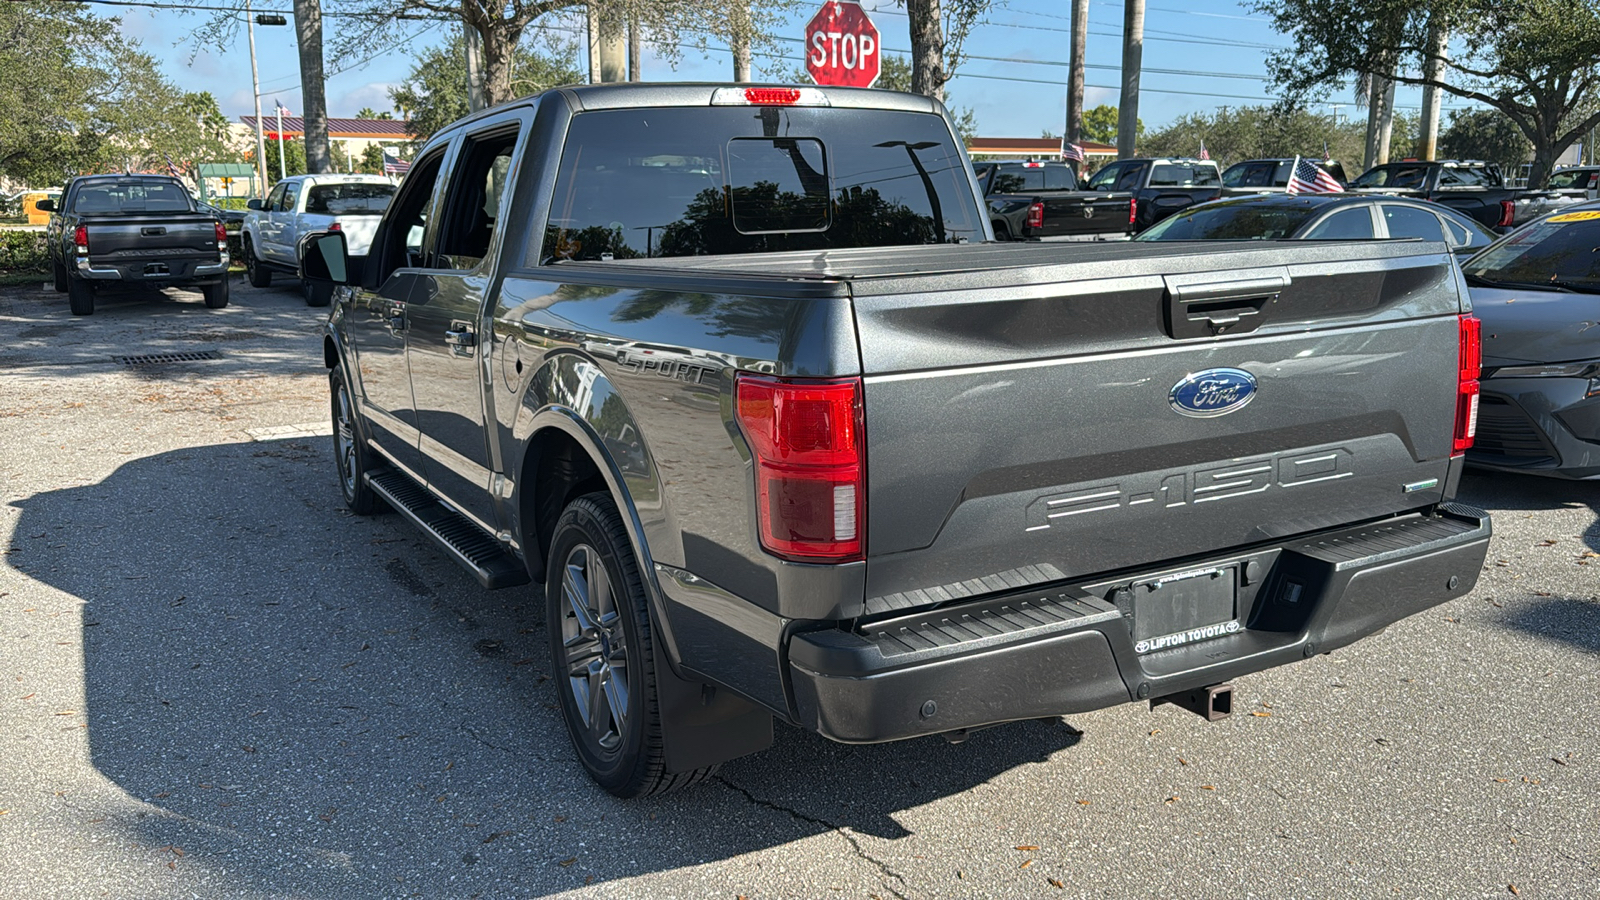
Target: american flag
1309 178
394 165
1071 152
172 168
1203 153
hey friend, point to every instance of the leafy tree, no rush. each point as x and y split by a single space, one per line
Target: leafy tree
1485 134
939 28
367 113
77 97
1100 125
1234 134
895 75
294 157
1536 61
435 93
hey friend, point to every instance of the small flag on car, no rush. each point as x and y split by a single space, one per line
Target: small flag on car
1203 153
394 165
1309 178
1071 152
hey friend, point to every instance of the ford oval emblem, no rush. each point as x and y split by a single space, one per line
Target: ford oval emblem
1214 392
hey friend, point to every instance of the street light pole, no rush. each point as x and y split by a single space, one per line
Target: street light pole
255 89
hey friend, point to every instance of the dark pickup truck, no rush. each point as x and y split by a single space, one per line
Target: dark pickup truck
1122 199
1474 189
1264 176
733 373
133 230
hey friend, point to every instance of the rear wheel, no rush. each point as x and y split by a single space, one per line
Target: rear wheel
349 450
316 294
1001 232
260 275
601 643
80 297
216 294
61 277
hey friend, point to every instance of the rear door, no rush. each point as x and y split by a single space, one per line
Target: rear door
279 221
378 320
447 345
1020 434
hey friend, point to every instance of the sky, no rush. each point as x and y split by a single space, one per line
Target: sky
1014 79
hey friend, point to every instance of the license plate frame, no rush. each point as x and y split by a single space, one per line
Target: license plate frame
1185 607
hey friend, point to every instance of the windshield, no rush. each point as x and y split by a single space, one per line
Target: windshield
1563 250
640 183
131 198
1229 223
1404 177
369 198
1574 179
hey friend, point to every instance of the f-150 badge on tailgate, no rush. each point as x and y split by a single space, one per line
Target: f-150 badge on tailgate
1214 392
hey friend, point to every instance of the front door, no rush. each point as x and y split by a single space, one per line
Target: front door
447 341
378 320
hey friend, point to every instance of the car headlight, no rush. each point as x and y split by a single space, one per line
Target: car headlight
1589 370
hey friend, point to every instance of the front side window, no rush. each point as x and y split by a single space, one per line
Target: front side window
1345 225
400 242
476 190
1106 179
643 183
290 195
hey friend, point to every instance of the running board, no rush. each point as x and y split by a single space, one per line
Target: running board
466 543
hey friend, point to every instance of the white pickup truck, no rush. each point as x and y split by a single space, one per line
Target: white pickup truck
302 204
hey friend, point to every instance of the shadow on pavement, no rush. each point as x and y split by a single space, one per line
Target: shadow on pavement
310 703
1510 493
1570 620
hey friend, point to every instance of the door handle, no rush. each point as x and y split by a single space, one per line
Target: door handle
462 338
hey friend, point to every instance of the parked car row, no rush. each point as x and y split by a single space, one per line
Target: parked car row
1044 201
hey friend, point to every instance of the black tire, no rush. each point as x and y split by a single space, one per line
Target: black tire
61 277
1001 232
592 561
216 294
316 294
260 276
350 453
80 296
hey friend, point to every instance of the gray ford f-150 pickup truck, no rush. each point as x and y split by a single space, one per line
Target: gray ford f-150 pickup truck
737 375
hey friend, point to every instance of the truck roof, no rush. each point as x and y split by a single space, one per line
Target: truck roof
634 95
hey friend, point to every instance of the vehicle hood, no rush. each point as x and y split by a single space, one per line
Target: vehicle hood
1521 325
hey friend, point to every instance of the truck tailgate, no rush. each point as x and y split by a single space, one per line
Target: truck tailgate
1024 434
153 238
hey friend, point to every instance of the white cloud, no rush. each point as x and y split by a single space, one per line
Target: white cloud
374 94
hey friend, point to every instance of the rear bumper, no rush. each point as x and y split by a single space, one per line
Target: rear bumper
177 271
1071 649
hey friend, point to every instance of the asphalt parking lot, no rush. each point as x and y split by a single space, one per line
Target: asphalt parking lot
216 682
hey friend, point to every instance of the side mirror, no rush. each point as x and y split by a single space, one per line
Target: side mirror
324 257
255 203
45 205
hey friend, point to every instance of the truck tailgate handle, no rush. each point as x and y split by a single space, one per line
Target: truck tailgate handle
153 230
1215 308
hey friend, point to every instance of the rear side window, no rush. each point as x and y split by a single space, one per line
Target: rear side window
1344 225
689 181
1409 222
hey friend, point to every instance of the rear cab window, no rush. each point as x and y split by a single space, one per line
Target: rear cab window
364 198
131 198
691 181
1183 175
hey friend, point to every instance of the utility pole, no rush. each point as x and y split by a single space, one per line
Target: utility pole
593 39
474 50
313 92
1433 70
613 49
1080 39
635 53
255 90
1132 61
739 38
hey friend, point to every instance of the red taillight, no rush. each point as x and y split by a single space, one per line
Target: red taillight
1035 216
1469 364
336 227
772 96
807 441
1133 211
222 237
80 236
1508 212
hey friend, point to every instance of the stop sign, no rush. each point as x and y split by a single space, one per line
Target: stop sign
842 46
